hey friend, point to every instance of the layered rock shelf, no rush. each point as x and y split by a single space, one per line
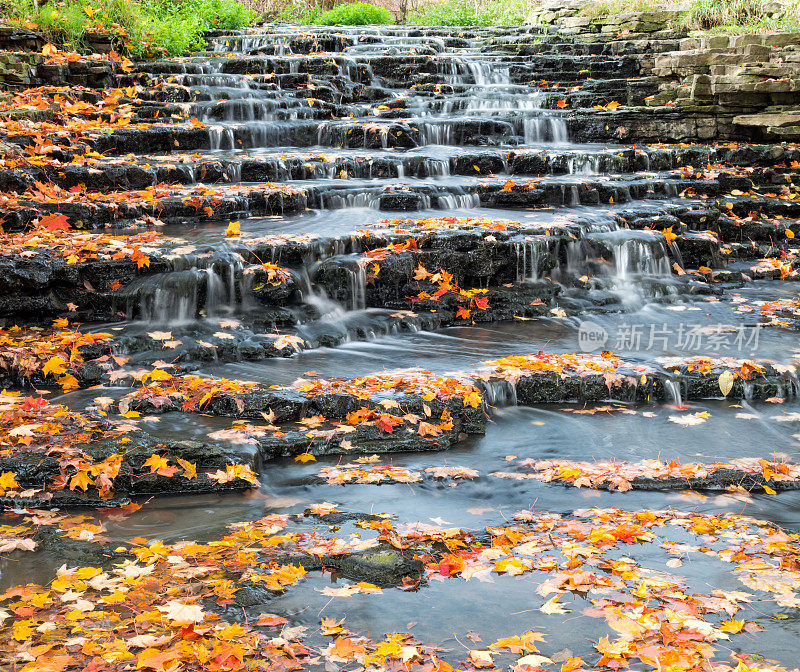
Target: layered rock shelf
293 189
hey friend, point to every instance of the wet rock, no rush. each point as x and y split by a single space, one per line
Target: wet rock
384 565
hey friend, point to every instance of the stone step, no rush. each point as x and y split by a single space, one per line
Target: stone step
169 280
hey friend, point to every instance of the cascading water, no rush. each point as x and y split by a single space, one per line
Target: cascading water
198 286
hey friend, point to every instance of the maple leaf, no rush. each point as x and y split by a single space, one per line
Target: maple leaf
8 481
55 365
473 398
271 620
520 643
462 313
81 480
181 613
233 230
421 273
562 103
68 382
305 457
534 660
157 464
481 659
732 626
54 222
669 235
427 429
189 468
157 375
553 606
156 659
160 335
233 472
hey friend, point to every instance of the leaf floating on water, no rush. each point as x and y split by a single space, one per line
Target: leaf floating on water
690 419
553 606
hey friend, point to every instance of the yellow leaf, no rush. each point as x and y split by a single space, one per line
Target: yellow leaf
669 235
189 468
305 457
158 374
789 233
8 481
55 365
473 399
68 382
155 462
80 480
769 490
726 382
732 626
233 230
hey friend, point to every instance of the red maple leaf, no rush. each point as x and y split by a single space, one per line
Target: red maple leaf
54 222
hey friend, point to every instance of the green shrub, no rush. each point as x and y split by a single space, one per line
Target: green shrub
472 13
139 27
355 14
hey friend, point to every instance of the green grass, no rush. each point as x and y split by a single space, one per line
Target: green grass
320 12
139 27
741 16
355 14
472 13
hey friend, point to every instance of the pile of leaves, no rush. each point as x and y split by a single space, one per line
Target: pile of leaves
33 432
623 475
31 425
160 389
55 353
783 268
151 200
582 364
164 605
450 223
655 619
746 369
446 285
402 381
343 474
159 609
73 115
53 237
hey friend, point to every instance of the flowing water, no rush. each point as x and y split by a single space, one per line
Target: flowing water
485 100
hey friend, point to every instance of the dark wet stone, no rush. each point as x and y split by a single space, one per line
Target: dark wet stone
384 565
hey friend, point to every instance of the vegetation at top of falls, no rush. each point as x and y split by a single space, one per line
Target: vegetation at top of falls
706 16
472 13
355 14
140 27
